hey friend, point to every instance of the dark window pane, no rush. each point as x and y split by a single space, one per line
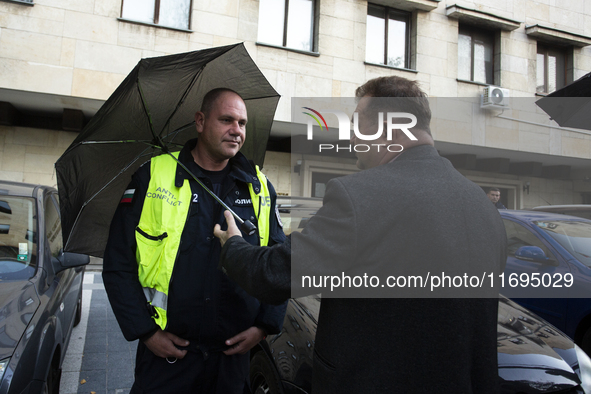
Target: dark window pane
18 243
550 69
319 181
475 55
573 236
5 207
518 236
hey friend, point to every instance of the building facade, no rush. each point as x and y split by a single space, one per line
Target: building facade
61 59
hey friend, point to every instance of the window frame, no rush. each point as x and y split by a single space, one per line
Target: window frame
405 16
313 34
155 22
545 49
490 34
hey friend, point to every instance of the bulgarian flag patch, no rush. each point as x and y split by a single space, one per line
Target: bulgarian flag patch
127 196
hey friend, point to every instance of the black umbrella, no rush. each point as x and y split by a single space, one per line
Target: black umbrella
570 106
151 112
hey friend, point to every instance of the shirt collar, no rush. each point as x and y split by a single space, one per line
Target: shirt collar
241 168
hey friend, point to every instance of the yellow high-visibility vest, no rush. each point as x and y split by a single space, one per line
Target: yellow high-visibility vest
163 218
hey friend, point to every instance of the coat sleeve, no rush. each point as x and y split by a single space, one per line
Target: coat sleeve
270 317
328 238
120 272
263 272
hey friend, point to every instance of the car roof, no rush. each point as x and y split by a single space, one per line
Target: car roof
583 207
538 215
20 189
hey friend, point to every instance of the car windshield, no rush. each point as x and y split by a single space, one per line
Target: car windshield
18 238
574 236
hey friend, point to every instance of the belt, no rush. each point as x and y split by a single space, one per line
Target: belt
194 347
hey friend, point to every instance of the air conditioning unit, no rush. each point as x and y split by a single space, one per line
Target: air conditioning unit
495 97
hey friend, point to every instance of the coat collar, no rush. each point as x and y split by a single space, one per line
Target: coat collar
417 152
241 168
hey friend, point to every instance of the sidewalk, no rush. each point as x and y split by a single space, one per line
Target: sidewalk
98 354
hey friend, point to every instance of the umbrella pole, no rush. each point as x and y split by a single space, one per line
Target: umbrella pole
245 225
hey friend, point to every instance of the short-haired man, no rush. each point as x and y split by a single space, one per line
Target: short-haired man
494 195
404 212
195 326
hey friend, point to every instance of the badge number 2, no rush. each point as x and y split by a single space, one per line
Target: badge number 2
195 197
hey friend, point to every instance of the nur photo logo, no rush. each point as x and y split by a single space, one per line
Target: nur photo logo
391 123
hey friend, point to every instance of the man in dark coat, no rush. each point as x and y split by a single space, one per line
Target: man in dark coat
406 214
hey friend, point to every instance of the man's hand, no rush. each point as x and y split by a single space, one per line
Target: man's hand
244 341
230 232
162 344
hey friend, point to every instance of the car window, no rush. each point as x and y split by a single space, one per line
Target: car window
18 237
53 227
572 235
519 235
585 214
296 212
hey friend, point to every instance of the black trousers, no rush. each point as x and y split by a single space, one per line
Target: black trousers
196 373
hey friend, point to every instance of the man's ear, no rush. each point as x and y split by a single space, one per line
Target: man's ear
199 121
398 136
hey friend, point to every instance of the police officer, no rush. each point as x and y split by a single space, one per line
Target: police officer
160 270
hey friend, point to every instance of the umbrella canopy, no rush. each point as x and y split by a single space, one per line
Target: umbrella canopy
151 111
570 106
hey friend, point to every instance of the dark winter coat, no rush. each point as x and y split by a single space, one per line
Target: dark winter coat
396 217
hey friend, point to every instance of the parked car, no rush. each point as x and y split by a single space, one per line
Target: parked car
580 210
562 245
40 289
533 355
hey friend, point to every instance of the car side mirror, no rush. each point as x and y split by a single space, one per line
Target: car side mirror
69 260
535 254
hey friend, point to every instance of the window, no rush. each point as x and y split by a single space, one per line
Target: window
475 55
53 227
550 69
387 43
518 236
18 238
319 181
168 13
287 23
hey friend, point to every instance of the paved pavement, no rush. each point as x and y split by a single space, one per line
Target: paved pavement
99 359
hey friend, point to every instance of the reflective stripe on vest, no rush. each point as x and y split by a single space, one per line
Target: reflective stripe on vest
163 218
